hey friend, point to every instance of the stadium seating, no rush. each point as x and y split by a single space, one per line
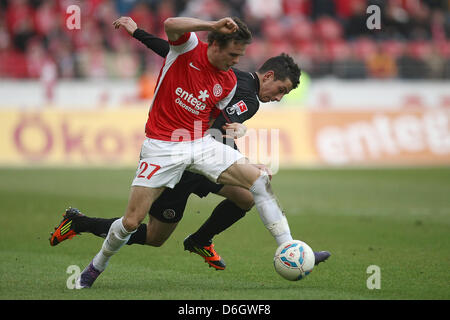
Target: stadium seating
34 32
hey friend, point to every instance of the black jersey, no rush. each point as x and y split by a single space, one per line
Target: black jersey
243 105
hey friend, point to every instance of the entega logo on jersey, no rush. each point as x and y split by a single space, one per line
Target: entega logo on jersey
192 102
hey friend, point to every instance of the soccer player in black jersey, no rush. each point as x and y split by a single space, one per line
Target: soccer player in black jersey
277 76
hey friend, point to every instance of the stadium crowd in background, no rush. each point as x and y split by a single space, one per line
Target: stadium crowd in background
326 37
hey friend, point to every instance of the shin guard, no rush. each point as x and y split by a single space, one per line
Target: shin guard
269 210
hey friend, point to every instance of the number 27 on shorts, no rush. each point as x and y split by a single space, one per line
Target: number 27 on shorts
147 170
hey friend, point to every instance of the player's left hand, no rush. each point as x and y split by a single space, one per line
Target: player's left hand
127 23
234 130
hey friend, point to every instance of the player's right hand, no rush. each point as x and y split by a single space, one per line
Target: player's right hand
127 23
225 26
234 130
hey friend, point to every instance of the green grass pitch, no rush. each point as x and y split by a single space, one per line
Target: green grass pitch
396 219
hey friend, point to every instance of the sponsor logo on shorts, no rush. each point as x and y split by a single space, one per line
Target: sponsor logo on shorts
169 214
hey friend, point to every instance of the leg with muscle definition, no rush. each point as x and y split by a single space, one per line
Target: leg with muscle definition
140 201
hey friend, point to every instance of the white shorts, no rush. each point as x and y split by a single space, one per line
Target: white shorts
162 163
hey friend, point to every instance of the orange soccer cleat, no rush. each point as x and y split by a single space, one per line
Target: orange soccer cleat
65 229
206 252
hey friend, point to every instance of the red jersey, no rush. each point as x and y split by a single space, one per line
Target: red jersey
187 90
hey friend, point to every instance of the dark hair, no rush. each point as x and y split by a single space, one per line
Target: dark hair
242 35
283 66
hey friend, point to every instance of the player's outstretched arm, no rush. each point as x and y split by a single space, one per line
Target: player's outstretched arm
159 46
177 26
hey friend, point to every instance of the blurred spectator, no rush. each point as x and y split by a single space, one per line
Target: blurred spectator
320 63
125 62
206 9
142 15
327 37
412 64
345 8
147 84
48 78
124 6
420 22
346 65
296 8
395 21
355 24
439 26
321 8
263 9
328 29
381 65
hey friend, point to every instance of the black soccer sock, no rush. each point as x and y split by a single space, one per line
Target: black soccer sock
96 226
140 236
223 216
100 228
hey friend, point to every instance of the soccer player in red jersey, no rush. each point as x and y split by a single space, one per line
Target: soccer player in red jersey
195 78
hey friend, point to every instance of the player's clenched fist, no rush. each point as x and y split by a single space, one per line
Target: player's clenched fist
225 26
127 23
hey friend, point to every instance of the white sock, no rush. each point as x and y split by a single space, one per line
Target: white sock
116 238
269 211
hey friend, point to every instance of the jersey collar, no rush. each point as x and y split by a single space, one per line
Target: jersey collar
256 80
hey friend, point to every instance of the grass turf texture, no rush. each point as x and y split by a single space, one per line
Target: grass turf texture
398 220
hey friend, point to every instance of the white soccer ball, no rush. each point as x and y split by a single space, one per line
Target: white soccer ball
294 260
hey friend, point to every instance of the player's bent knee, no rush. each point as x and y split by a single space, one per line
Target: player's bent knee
238 174
131 223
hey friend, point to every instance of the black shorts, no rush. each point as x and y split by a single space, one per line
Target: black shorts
170 205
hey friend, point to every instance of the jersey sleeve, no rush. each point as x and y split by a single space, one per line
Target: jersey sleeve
185 43
225 101
240 110
157 45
